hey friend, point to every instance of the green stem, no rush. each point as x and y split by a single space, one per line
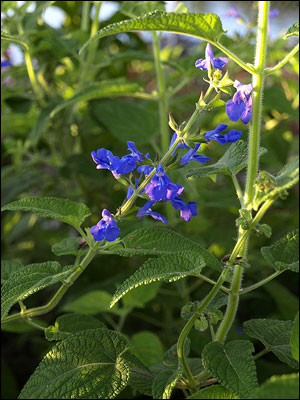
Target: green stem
269 71
85 16
208 280
260 354
188 326
260 283
237 189
246 67
34 324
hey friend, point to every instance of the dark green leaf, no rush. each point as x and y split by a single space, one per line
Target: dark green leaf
292 31
68 246
213 392
147 347
294 341
164 383
7 268
93 302
140 377
278 387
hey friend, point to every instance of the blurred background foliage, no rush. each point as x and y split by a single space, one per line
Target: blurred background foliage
45 155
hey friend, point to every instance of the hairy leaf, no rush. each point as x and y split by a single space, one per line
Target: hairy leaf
275 335
30 279
233 365
52 207
232 162
295 338
87 365
202 26
68 246
213 392
160 241
278 387
284 254
164 383
292 31
162 269
7 268
67 324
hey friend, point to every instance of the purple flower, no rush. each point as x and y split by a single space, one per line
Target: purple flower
146 210
209 59
241 103
186 210
181 145
191 156
135 153
130 190
106 160
146 169
106 228
232 136
232 12
273 13
161 187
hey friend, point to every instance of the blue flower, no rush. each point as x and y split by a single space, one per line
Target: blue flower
233 135
146 169
186 210
106 228
130 190
241 103
5 63
273 13
146 210
135 153
209 58
191 156
161 187
181 145
106 160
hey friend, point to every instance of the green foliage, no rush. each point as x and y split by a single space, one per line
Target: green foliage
275 335
69 246
233 365
171 357
292 31
164 383
294 341
147 347
213 392
139 8
30 279
50 207
284 254
93 367
278 387
93 302
8 268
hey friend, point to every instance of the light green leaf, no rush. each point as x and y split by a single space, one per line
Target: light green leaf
284 254
202 26
30 279
67 324
138 8
7 268
87 365
232 162
163 269
140 377
233 365
292 31
52 207
278 387
139 296
275 335
68 246
93 302
164 383
147 347
160 241
110 88
294 341
213 392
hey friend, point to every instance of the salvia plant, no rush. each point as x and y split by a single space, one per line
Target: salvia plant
209 351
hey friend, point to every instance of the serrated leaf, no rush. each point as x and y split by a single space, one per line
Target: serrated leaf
138 8
164 383
7 268
233 365
67 324
202 26
147 347
68 246
163 269
292 31
160 241
52 207
213 392
232 162
93 302
278 387
171 358
112 88
30 279
275 335
140 377
87 365
283 254
294 341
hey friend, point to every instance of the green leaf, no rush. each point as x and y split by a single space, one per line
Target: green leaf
232 162
160 241
21 325
138 8
292 31
287 302
93 302
202 26
109 88
52 207
233 365
147 347
139 296
125 118
275 335
171 357
284 254
278 387
163 269
68 246
294 341
41 123
7 268
67 324
213 392
87 365
164 383
140 377
30 279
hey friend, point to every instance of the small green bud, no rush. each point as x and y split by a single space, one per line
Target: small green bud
201 324
172 123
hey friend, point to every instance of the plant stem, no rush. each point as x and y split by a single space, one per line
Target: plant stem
260 354
188 326
208 280
269 71
237 189
260 283
85 16
246 67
